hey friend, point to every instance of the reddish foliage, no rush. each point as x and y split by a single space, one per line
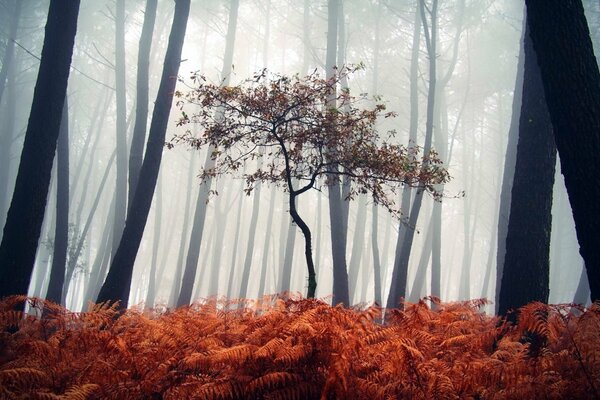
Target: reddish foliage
299 349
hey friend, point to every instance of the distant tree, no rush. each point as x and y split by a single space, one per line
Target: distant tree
26 213
286 122
571 80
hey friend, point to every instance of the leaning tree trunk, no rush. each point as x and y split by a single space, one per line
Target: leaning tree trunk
26 213
527 259
571 82
141 105
118 282
61 231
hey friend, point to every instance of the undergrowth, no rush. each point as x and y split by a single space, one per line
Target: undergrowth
298 349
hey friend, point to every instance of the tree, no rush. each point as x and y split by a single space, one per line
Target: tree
290 125
526 269
118 280
26 212
571 80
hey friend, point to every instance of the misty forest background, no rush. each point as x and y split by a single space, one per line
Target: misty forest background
475 127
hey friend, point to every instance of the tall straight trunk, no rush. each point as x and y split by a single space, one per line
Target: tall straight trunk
234 251
509 167
427 250
405 201
9 50
26 212
358 244
336 208
184 232
76 249
141 105
151 294
400 272
121 129
375 211
100 265
527 260
61 231
191 264
118 281
266 245
571 82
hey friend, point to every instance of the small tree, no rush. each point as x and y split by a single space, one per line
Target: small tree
302 142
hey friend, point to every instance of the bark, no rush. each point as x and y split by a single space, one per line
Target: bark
572 87
117 284
526 262
61 231
141 112
26 212
509 168
191 264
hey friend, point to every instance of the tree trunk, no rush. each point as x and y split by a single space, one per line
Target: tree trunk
572 86
61 231
267 244
400 272
526 263
189 274
509 168
26 213
141 112
117 284
151 294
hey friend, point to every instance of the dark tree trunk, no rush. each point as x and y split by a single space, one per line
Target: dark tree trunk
117 284
26 213
572 86
312 277
141 105
509 168
61 231
526 263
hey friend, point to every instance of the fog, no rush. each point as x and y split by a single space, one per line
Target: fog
477 55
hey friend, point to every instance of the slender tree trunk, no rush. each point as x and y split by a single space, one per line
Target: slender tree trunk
61 232
526 263
312 277
358 243
141 112
399 275
234 251
251 236
9 50
418 285
189 275
21 234
336 210
151 294
118 281
184 233
266 245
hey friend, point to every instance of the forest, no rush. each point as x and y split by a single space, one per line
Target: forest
277 199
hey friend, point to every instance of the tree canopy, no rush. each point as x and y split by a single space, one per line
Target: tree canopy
302 142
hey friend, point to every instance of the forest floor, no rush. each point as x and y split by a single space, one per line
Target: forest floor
298 349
